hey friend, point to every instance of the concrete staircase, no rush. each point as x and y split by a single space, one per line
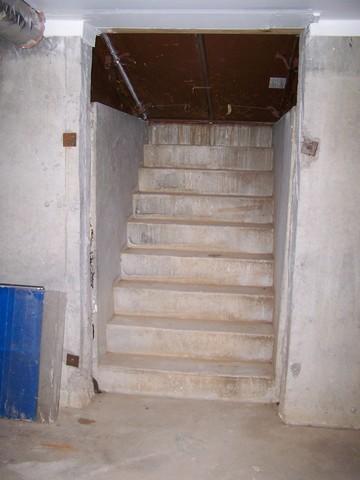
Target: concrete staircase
194 303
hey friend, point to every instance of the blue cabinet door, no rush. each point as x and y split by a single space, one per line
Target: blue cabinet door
21 310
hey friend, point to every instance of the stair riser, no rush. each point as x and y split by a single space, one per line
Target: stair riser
201 237
188 343
207 270
201 305
206 182
226 135
234 158
235 209
185 385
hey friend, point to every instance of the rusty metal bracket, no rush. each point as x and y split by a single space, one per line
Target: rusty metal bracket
140 107
72 360
309 146
69 139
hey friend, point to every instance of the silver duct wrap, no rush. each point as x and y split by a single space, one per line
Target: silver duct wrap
20 23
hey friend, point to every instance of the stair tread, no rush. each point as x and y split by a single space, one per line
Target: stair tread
200 220
196 221
178 252
194 194
170 323
193 287
210 170
220 147
187 365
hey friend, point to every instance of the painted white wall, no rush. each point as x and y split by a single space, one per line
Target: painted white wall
323 368
284 145
336 28
118 146
43 195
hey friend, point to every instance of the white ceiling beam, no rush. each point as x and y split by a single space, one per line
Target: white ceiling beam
181 19
211 19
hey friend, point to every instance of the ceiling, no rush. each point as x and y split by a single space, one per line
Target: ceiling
168 73
94 9
209 77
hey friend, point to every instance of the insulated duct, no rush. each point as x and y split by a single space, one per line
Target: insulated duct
20 23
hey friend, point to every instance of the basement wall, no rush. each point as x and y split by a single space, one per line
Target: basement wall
118 145
44 200
323 366
284 145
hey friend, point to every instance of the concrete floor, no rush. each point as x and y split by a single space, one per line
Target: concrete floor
135 438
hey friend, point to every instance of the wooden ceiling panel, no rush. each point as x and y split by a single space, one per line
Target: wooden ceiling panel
240 67
192 77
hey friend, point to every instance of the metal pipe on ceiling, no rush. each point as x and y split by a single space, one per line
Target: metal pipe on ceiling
140 107
20 23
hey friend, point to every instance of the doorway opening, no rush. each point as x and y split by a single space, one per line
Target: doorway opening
190 271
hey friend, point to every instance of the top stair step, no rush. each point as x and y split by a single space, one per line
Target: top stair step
215 134
209 157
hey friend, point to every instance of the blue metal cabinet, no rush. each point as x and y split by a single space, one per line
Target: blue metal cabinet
21 311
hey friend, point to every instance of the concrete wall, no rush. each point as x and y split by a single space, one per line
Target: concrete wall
323 367
284 144
51 358
44 92
118 141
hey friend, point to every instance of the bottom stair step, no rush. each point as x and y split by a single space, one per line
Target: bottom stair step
186 378
248 341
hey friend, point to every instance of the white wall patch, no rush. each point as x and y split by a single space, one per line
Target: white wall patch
277 82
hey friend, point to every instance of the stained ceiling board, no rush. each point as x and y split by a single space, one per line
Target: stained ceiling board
199 77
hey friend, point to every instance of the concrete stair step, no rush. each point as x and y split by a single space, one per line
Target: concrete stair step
219 182
225 135
197 267
193 234
249 341
186 378
216 207
185 156
208 302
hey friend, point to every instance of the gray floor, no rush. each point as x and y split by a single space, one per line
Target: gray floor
133 438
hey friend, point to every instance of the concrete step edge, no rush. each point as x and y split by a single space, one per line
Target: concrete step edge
165 220
241 328
236 171
208 255
182 219
251 291
196 195
181 145
154 363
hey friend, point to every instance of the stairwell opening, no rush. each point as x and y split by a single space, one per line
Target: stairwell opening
183 210
198 77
